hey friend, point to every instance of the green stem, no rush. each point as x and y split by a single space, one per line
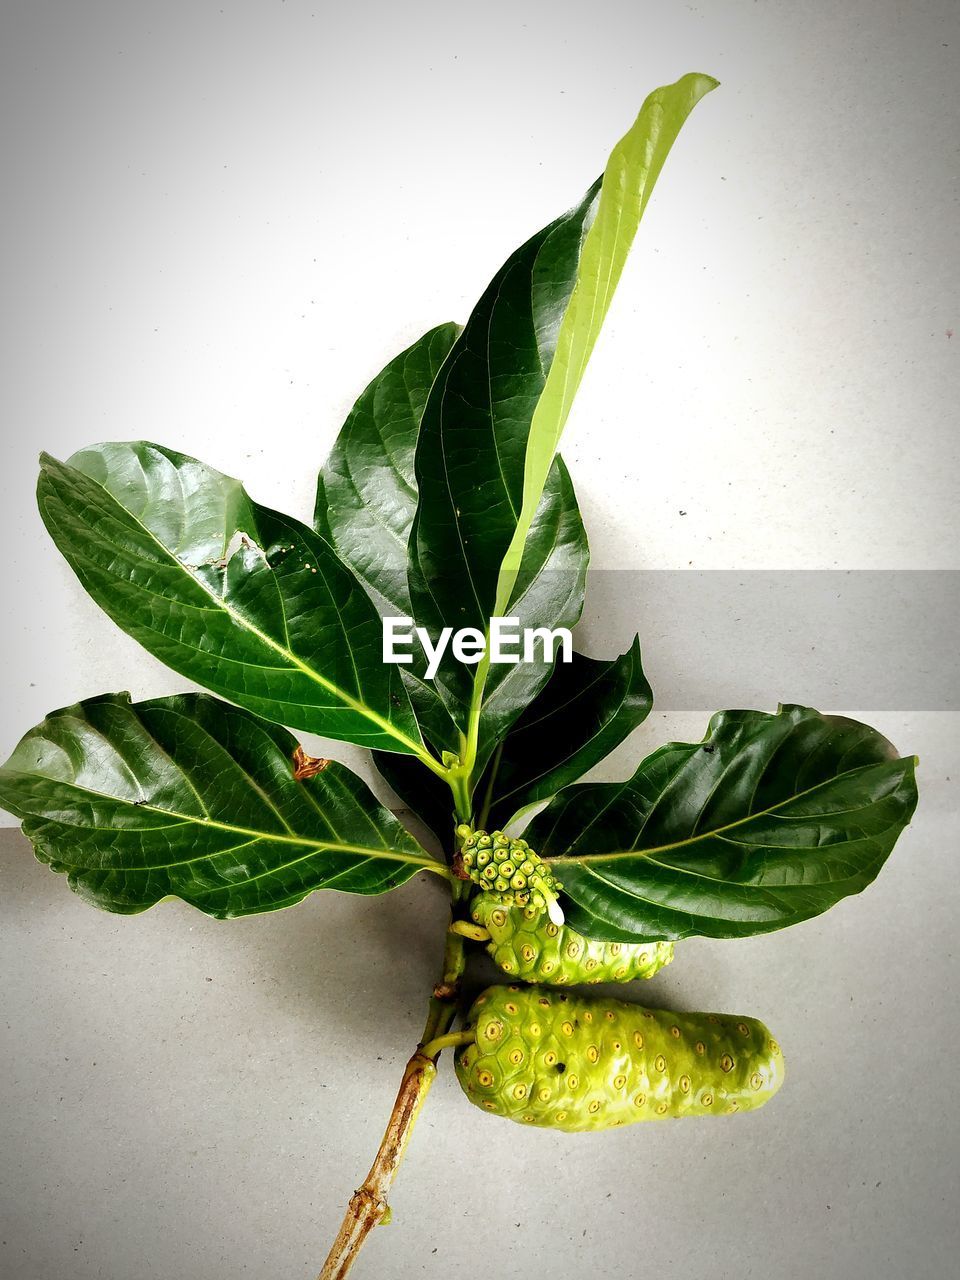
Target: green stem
424 756
458 780
449 1041
440 869
459 777
443 1008
475 932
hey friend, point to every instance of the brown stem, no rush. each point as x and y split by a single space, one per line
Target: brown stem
368 1206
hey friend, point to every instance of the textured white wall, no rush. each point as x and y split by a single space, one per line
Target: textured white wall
221 221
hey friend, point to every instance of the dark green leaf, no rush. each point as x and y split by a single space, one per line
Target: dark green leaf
550 586
473 436
768 821
367 494
494 416
423 793
188 797
588 708
244 600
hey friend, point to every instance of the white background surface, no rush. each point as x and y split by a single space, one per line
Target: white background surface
220 225
221 220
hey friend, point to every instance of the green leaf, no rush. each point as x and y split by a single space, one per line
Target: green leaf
628 181
246 601
367 496
588 708
470 452
423 793
768 821
551 587
367 493
494 415
188 797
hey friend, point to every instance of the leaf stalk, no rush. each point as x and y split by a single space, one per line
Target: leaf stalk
475 932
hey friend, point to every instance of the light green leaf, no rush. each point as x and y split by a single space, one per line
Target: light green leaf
628 181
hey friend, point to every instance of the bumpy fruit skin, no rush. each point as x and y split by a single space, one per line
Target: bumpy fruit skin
582 1063
527 945
507 869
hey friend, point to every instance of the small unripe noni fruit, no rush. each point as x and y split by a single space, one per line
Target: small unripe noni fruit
528 945
513 874
582 1063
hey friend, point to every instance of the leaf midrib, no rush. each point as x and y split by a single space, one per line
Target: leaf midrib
777 893
187 819
245 624
715 832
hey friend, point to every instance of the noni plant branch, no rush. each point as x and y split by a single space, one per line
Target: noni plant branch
444 501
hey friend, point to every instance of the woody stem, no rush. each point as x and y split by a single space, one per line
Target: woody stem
368 1206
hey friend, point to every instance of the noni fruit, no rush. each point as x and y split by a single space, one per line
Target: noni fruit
582 1063
509 870
528 945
